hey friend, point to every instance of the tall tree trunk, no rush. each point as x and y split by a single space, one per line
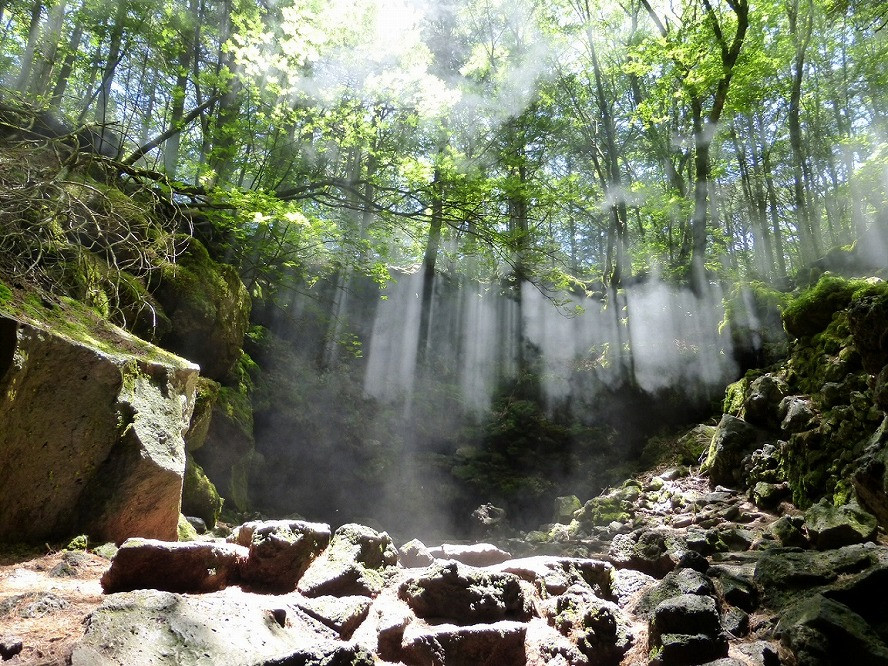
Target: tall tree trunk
761 204
771 190
61 84
104 115
613 189
702 168
49 47
808 248
428 268
763 256
24 76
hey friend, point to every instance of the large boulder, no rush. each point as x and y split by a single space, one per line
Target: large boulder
209 309
686 630
556 574
836 526
733 439
784 577
480 645
193 566
475 555
91 429
764 395
822 632
598 627
647 550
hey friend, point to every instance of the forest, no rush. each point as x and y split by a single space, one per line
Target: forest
563 143
490 233
490 332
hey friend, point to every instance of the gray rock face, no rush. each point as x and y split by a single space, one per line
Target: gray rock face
192 566
91 441
209 308
870 479
674 584
836 526
765 394
784 576
797 414
464 595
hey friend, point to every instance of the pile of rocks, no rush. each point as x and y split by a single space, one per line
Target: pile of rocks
687 576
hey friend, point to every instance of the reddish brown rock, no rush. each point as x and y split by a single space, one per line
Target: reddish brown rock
475 555
194 566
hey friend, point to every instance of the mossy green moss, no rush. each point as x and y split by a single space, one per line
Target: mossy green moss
205 397
236 406
735 397
185 531
811 311
5 294
78 323
199 496
209 308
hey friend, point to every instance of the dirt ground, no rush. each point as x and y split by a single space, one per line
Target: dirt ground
44 599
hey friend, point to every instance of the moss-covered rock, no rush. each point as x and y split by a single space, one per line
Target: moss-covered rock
811 311
91 423
868 323
753 317
199 496
185 531
228 448
733 439
683 449
209 309
615 505
204 400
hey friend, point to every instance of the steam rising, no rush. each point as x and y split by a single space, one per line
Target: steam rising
662 337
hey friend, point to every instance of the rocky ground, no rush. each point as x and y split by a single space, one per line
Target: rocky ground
682 574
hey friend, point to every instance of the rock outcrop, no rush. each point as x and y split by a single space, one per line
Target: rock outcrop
91 429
